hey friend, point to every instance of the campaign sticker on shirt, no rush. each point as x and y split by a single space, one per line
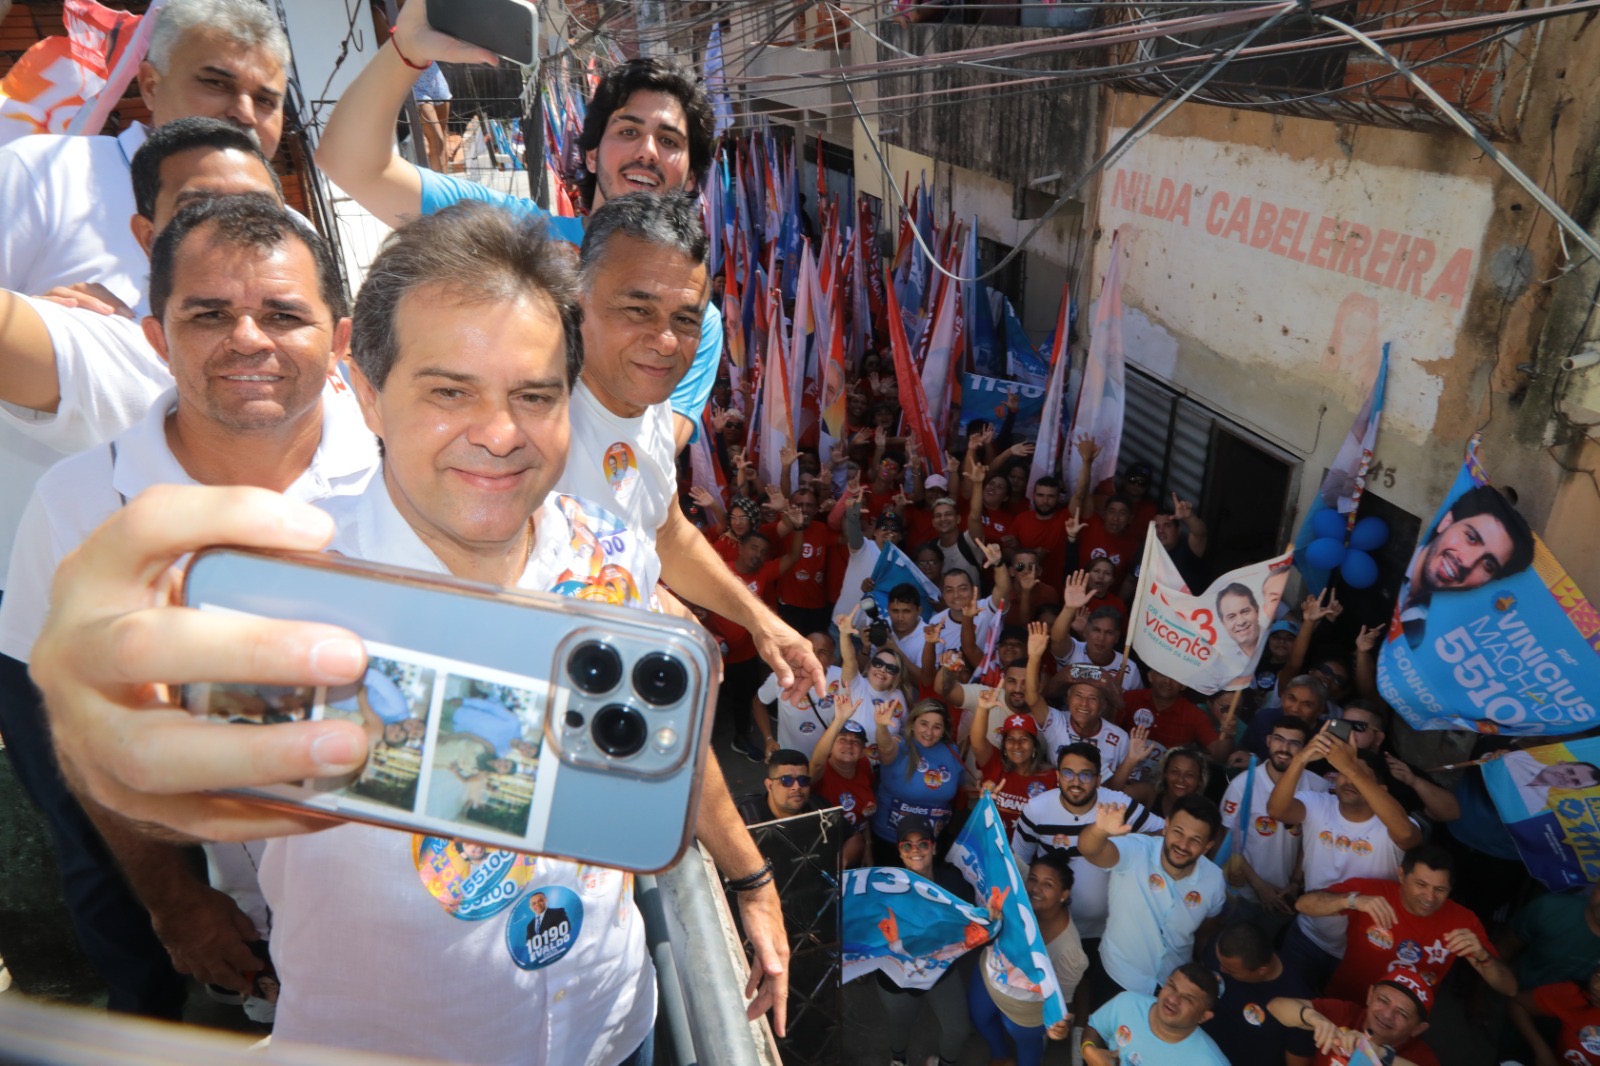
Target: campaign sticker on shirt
1265 826
470 881
1409 952
621 469
1192 898
1157 882
1589 1039
543 926
1124 1035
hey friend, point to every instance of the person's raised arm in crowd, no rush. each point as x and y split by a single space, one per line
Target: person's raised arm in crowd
978 732
888 743
711 504
1033 692
1073 598
1098 842
1313 609
849 667
974 475
1366 664
1439 804
1183 511
844 708
1082 502
1326 1034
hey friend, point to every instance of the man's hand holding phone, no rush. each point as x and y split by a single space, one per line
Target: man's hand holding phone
115 640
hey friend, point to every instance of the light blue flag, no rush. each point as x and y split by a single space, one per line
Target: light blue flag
904 925
1549 799
896 568
983 855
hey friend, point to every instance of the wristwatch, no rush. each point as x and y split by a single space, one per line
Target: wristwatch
1350 901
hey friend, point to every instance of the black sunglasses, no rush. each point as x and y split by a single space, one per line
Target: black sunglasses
888 668
791 780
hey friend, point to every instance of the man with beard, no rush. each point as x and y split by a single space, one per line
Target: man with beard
1089 705
1049 529
1480 539
786 790
1268 851
1410 924
1394 1017
1163 1028
1357 830
1165 894
1054 821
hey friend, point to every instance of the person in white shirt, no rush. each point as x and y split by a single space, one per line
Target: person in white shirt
1089 708
1099 646
799 725
250 313
1357 830
1266 853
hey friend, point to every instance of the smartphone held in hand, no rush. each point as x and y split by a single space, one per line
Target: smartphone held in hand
524 721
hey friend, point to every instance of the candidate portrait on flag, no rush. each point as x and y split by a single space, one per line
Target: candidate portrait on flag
1549 799
1489 632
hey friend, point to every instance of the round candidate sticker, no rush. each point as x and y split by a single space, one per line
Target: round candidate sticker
470 881
543 926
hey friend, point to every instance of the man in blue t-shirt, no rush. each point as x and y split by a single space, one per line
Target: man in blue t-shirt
1134 1029
648 128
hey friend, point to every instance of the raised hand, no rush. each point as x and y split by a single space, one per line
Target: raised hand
846 623
1367 638
988 700
992 553
1139 745
1074 527
1076 593
1400 771
787 455
883 713
1181 509
1110 819
1087 448
1038 639
931 632
700 496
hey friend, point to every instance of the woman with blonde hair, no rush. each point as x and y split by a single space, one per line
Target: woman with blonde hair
920 773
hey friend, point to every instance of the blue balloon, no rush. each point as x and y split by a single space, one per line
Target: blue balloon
1369 534
1325 553
1359 569
1329 525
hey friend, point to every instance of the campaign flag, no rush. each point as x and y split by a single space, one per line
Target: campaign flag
717 83
894 567
913 402
984 858
901 924
1022 359
942 354
55 85
1209 641
834 391
1549 799
1346 479
1364 1054
1051 432
1009 406
777 403
1102 394
1489 632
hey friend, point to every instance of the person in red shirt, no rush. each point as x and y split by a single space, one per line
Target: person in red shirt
802 590
997 516
1577 1007
1411 924
1169 719
1395 1016
1051 529
1016 771
1102 580
742 669
1110 533
727 530
1028 591
845 778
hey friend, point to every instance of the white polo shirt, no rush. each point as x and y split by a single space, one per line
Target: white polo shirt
109 376
370 960
79 493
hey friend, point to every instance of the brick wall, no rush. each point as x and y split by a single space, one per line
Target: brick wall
1470 80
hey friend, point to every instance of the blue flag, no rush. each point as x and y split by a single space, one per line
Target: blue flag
904 925
983 855
990 399
1489 631
1549 799
1023 362
896 568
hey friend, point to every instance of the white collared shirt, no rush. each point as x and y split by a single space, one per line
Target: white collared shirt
79 493
368 959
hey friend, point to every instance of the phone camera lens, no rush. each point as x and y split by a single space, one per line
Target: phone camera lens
595 667
619 731
660 679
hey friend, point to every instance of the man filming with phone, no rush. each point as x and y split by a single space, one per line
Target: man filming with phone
469 389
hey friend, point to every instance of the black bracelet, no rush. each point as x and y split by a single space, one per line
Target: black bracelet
759 879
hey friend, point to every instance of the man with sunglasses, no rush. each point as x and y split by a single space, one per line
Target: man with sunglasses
787 790
1267 849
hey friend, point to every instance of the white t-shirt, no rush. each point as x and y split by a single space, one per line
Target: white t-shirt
1335 850
1112 740
626 465
985 625
866 700
109 376
1271 848
370 960
1080 654
79 493
1046 824
801 727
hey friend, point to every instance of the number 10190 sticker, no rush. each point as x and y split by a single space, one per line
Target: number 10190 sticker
543 926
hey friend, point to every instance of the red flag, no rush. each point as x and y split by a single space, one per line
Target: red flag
913 404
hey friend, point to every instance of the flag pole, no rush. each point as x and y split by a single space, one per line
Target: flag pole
1138 601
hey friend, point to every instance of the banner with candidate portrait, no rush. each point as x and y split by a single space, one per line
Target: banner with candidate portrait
1212 641
983 855
1008 406
1549 799
903 925
1489 632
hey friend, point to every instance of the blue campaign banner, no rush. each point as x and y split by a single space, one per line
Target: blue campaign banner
1549 799
983 855
1364 1054
1489 632
905 926
1021 356
896 568
998 401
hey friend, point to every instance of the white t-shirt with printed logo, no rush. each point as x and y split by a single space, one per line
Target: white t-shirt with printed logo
867 700
801 727
1336 850
626 465
1271 847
